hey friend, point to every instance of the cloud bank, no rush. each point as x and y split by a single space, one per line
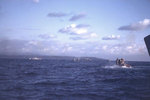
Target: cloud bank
111 37
43 47
141 25
124 49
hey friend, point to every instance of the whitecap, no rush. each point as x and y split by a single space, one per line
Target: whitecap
115 66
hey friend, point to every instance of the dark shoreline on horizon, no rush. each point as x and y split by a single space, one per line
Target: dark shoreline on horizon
45 57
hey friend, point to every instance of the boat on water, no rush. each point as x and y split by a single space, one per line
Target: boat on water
35 58
121 63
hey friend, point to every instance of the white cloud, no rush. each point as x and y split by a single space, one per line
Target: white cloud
46 49
67 48
47 36
124 49
111 37
93 35
141 25
85 36
135 49
33 43
74 30
104 47
36 1
79 32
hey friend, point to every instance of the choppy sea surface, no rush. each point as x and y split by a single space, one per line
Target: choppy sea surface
52 79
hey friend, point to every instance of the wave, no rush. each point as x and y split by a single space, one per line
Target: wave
47 82
115 66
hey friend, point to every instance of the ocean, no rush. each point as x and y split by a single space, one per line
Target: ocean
73 79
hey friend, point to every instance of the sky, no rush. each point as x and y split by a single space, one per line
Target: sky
107 29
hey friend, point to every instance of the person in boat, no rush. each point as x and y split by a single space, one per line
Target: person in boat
122 63
117 61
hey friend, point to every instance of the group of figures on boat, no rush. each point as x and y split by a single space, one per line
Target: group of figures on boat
121 62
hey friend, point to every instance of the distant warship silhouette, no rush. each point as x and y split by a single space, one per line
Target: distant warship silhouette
147 42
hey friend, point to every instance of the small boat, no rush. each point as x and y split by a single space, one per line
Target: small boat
35 58
121 63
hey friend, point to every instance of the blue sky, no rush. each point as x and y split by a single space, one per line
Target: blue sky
98 28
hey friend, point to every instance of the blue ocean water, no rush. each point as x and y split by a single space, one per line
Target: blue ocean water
58 79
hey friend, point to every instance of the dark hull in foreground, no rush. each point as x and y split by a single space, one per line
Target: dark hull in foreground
147 42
